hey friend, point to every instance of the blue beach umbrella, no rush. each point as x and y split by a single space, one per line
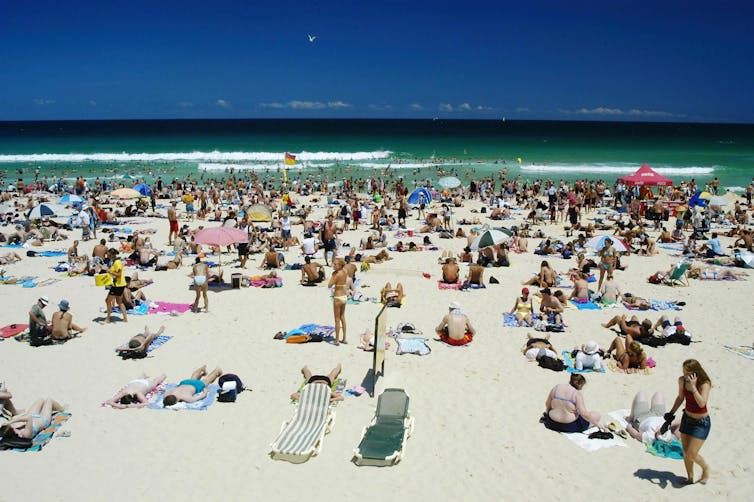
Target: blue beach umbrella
414 197
71 198
41 211
143 189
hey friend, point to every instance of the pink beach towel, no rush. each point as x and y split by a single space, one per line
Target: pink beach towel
445 285
167 307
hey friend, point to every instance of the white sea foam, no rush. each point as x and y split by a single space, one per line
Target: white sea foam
213 156
735 189
610 169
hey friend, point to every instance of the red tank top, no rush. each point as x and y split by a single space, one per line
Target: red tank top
691 405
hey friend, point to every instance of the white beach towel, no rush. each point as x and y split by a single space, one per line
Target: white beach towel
590 445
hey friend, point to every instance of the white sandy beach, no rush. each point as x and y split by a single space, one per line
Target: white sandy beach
477 435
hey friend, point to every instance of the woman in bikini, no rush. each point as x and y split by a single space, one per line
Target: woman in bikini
693 388
566 411
340 283
607 260
630 356
29 424
328 380
523 308
133 394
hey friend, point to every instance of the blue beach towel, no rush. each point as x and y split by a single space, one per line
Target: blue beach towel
586 306
141 309
156 403
510 321
663 305
673 449
48 254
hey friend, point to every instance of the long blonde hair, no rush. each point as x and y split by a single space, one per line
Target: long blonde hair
693 366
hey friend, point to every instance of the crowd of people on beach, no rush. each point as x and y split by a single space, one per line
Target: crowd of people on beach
383 208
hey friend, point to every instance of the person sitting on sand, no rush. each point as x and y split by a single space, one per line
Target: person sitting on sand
132 297
546 278
565 408
465 256
392 296
523 309
192 389
140 342
538 347
630 356
455 327
631 327
312 272
609 291
271 259
133 394
328 380
63 326
551 308
450 271
36 418
648 417
475 275
580 293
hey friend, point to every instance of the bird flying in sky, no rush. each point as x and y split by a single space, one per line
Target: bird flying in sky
312 38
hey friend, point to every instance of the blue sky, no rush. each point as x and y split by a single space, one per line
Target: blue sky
600 60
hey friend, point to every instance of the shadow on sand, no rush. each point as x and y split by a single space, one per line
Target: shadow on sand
662 479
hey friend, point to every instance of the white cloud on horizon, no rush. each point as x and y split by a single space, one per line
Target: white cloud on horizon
619 112
223 103
42 101
184 104
464 107
445 107
416 107
307 105
380 107
521 109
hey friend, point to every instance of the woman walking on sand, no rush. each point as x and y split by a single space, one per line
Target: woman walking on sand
693 387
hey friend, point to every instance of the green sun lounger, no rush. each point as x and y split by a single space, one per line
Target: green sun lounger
383 442
678 275
301 437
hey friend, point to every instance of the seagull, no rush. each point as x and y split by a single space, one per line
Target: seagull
312 38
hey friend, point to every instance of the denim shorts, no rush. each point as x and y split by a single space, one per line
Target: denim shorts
697 428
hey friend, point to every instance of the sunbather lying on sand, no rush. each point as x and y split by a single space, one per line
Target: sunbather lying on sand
133 394
647 418
192 389
37 417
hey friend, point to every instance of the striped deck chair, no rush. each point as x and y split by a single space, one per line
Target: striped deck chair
301 437
678 275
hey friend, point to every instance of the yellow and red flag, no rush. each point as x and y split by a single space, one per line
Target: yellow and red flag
290 160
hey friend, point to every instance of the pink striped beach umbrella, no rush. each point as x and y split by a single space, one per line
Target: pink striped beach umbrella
220 236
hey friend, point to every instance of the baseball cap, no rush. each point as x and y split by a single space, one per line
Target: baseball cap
525 290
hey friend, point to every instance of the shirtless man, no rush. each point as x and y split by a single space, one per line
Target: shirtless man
173 221
341 284
200 274
99 255
312 272
476 273
328 238
745 240
63 326
133 394
550 307
631 327
193 389
270 260
450 271
73 252
455 328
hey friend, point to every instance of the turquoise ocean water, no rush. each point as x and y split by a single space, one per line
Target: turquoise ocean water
360 148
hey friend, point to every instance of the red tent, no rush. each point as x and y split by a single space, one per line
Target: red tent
646 176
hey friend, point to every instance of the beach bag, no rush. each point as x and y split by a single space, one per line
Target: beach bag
15 443
104 279
654 279
551 363
297 339
230 386
132 354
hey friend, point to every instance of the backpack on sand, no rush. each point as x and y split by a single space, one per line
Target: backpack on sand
230 386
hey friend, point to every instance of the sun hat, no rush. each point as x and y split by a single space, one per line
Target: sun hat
45 301
591 347
64 305
454 305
